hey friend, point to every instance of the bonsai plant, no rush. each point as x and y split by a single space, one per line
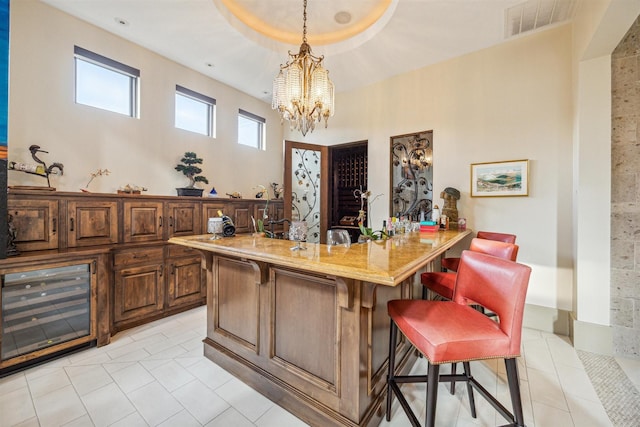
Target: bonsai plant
190 169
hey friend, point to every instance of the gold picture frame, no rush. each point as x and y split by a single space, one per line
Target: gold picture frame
500 179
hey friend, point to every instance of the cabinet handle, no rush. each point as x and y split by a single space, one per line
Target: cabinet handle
55 225
94 265
161 270
160 221
170 221
71 224
136 256
173 268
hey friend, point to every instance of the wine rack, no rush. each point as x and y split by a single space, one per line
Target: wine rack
45 308
349 175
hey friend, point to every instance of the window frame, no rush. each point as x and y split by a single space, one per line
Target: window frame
81 54
262 122
207 100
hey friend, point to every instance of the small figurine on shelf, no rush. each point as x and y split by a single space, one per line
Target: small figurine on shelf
262 190
40 168
131 189
450 210
277 190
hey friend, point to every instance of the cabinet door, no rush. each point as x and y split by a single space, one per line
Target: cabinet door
142 221
241 216
139 292
183 218
186 281
278 209
35 222
275 212
92 223
210 210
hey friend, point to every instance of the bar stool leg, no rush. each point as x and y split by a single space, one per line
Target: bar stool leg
393 334
433 376
452 389
472 401
514 389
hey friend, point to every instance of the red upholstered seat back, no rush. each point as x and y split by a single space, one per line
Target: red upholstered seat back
496 248
497 284
499 237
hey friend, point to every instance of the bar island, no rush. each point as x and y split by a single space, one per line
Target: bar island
309 328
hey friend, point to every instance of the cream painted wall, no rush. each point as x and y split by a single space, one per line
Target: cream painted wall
509 102
140 151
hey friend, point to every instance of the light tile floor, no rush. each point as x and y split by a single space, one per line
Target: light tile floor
156 375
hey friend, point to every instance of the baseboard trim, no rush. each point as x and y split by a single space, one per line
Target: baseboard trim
546 319
591 337
585 336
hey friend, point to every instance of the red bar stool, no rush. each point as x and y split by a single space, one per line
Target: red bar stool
443 283
452 331
451 264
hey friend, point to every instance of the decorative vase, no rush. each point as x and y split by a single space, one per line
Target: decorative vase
191 192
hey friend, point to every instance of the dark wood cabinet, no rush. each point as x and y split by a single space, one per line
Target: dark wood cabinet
275 212
183 218
92 223
186 281
136 275
35 222
143 221
241 214
138 289
211 209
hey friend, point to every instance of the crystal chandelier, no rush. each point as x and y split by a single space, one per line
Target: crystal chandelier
302 90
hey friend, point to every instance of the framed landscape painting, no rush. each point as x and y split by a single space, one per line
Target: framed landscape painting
495 179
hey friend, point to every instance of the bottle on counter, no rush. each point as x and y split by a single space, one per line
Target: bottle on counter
228 229
435 214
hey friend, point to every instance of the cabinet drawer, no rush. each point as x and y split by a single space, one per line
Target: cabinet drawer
137 256
174 251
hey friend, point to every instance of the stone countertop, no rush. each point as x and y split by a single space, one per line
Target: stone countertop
386 262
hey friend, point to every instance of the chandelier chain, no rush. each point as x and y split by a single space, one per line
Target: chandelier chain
304 22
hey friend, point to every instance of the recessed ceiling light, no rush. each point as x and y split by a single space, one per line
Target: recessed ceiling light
121 21
342 17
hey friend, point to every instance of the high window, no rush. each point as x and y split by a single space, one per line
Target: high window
251 130
104 83
195 112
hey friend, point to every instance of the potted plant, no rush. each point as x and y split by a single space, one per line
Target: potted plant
190 169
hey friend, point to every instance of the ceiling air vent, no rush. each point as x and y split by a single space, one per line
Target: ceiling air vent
535 14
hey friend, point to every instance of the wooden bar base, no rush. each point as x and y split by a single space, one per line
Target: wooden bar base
309 329
328 368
